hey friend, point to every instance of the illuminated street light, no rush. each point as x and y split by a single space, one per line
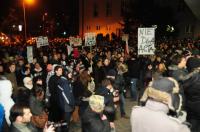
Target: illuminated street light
24 3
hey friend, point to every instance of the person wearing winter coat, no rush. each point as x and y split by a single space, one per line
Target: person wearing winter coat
93 120
54 112
192 93
161 96
5 97
65 98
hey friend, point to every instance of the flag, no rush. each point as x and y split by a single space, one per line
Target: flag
69 49
126 48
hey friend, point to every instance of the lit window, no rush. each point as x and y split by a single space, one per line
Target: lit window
97 27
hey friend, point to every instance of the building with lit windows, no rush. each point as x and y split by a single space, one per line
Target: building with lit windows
100 16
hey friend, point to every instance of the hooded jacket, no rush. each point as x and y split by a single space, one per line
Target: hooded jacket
153 118
5 97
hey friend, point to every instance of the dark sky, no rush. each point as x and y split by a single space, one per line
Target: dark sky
51 6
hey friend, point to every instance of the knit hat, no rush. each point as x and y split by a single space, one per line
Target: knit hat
26 80
165 90
112 72
192 63
96 103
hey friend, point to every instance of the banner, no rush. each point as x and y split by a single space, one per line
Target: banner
75 41
42 41
30 54
146 41
90 39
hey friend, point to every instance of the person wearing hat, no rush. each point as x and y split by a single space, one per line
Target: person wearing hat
192 93
161 96
120 83
93 120
110 98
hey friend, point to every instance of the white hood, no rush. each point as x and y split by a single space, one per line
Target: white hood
5 97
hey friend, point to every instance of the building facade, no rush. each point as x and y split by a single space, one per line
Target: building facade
100 16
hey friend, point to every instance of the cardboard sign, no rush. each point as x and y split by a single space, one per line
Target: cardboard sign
90 39
146 41
75 41
42 41
30 54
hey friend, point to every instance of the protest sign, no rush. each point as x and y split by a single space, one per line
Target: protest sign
30 54
75 41
146 41
90 39
42 41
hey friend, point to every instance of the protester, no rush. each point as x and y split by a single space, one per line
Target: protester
110 98
11 75
93 119
20 117
5 97
160 96
192 93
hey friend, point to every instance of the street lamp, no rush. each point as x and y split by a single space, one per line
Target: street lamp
29 2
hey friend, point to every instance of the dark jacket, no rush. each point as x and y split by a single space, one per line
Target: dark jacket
177 73
65 95
109 109
119 83
21 128
98 75
192 95
92 122
36 106
134 68
54 111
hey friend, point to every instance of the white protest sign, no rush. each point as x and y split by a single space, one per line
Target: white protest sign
75 41
30 54
45 41
146 41
90 39
42 41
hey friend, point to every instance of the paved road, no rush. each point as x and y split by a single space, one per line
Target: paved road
122 124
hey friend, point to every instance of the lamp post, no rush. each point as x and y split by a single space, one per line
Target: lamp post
24 11
24 2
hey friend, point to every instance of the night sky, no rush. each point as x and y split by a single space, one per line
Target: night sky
34 12
41 6
57 10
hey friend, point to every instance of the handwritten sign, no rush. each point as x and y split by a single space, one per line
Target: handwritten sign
30 54
75 41
90 39
146 41
42 41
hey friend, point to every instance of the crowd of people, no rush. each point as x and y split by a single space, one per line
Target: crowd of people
56 90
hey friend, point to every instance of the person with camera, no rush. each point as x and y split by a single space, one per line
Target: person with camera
111 96
20 117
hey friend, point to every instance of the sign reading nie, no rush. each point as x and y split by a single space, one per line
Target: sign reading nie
146 41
